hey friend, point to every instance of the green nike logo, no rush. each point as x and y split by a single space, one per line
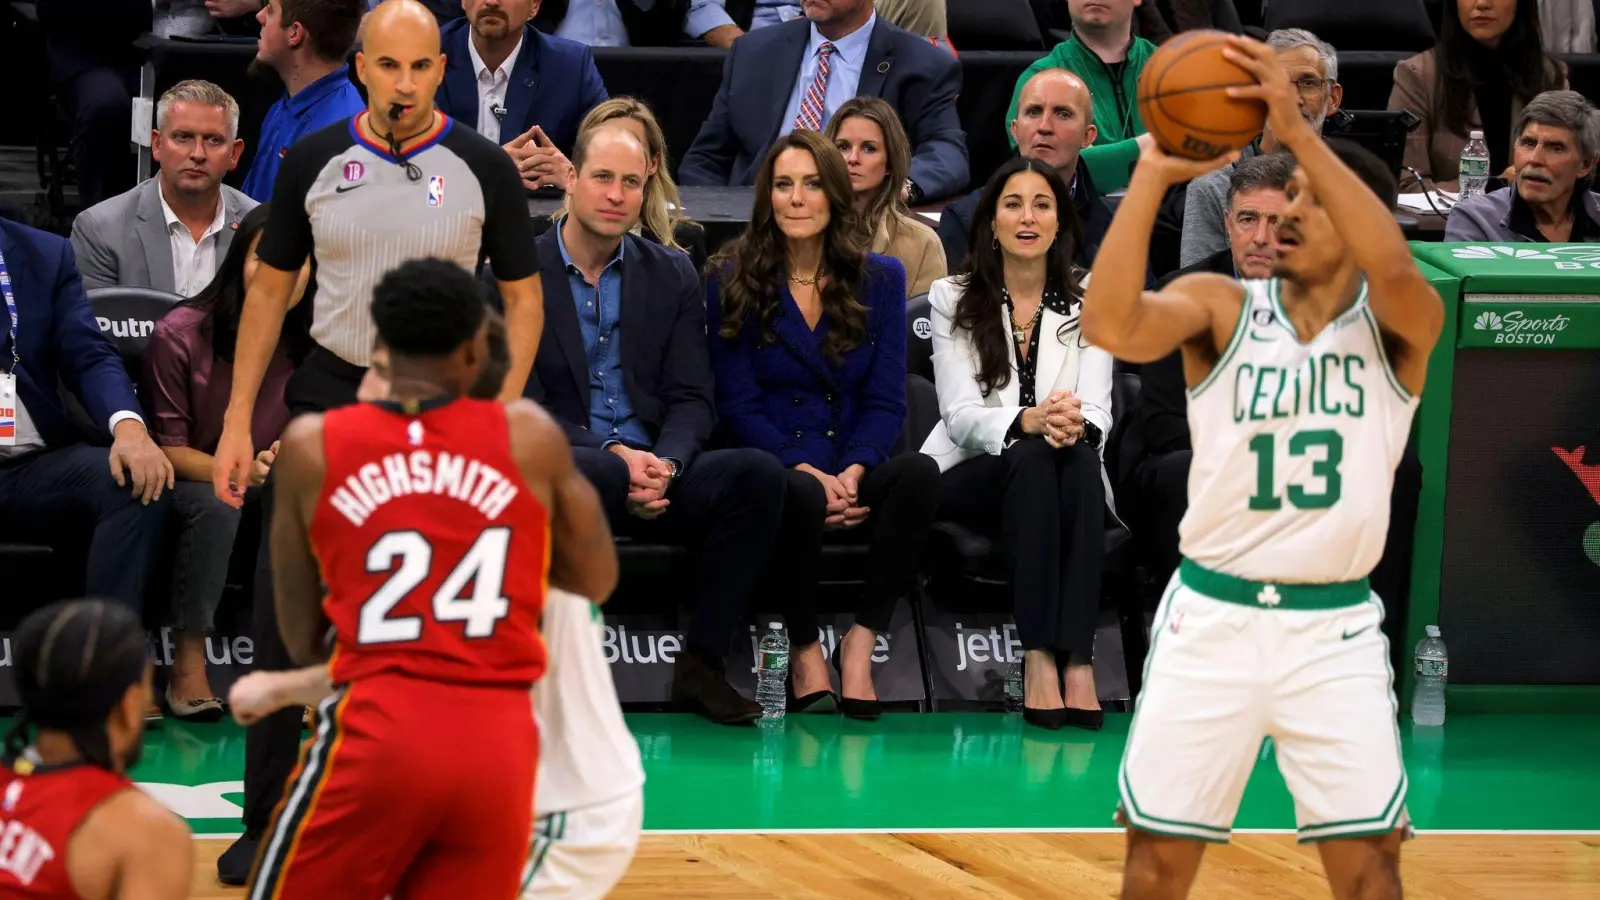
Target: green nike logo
1350 634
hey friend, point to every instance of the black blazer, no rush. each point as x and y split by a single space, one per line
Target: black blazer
553 84
1163 401
919 80
665 364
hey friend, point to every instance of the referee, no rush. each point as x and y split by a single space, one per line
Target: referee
398 182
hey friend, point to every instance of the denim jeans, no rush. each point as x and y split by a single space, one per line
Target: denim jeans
203 532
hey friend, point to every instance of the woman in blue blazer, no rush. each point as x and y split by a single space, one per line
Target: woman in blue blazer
807 338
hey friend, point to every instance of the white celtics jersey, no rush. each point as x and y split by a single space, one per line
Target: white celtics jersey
587 755
1295 447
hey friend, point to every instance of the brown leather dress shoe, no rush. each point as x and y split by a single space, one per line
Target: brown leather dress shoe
703 690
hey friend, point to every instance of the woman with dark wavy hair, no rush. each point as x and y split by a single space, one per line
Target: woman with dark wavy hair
1488 63
1024 405
188 375
807 338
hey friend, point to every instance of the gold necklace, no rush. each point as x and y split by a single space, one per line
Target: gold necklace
815 276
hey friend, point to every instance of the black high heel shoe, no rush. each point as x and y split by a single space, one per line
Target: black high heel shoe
865 710
1048 719
814 702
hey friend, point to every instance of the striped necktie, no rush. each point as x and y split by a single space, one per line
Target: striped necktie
813 107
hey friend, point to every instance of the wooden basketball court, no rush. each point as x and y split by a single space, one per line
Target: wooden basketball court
1061 866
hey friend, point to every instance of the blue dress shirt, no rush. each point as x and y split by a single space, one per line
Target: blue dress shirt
611 414
844 77
774 12
329 99
598 23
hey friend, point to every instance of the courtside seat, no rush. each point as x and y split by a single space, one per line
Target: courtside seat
128 315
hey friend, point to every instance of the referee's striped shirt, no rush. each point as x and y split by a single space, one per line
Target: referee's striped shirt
351 203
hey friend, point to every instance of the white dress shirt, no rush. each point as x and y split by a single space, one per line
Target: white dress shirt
194 263
492 89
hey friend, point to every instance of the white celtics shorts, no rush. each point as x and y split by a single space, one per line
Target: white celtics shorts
1233 662
582 854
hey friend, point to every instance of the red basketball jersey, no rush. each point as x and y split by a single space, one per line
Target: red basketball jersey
433 551
40 808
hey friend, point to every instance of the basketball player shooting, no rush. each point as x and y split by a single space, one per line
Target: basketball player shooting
435 521
72 826
1302 389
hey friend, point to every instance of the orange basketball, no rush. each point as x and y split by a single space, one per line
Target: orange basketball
1183 98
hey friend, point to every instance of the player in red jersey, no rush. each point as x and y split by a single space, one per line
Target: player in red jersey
72 826
435 522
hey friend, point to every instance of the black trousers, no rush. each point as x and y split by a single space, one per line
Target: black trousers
272 745
726 506
62 494
903 495
1047 509
1163 499
99 101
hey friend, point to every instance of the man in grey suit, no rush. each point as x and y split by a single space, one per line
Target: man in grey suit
172 231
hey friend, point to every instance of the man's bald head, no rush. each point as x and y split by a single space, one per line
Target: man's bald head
1055 120
400 65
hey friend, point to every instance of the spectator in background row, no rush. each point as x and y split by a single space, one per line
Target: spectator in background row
638 23
196 18
1487 64
623 367
521 89
807 334
1025 406
1158 20
925 17
306 43
170 232
1255 198
188 374
1054 125
1568 26
94 72
842 51
1550 200
661 217
1313 68
877 154
1104 52
55 488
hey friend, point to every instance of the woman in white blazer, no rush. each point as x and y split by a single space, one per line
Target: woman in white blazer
1025 405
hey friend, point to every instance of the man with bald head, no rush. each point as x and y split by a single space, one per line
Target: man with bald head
1054 125
624 368
397 182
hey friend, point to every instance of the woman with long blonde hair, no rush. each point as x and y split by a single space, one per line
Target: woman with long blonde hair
661 217
878 155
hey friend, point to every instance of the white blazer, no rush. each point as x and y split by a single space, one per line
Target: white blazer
971 424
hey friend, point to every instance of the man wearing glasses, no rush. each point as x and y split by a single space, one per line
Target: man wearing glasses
1313 68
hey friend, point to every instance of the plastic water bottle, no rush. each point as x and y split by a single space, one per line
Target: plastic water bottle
1014 686
772 672
1433 670
1474 166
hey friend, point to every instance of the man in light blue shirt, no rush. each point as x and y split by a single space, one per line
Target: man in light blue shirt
775 12
849 52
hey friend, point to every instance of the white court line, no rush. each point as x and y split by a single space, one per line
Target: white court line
1453 832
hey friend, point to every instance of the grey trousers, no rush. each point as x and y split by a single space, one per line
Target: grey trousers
203 532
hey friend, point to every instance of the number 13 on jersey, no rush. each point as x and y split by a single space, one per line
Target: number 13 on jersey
1324 445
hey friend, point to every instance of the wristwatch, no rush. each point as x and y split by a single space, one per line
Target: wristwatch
675 466
913 193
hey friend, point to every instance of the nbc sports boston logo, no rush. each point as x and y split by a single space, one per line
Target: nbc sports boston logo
1517 327
1569 258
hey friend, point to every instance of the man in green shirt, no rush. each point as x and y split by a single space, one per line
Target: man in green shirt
1104 53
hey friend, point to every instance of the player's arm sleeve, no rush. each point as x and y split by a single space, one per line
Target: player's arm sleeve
286 238
507 228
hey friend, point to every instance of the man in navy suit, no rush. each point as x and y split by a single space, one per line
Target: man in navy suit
53 486
623 366
522 89
839 51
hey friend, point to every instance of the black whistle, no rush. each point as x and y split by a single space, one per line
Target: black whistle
395 111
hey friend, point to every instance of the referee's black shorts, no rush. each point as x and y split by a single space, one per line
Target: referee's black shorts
322 382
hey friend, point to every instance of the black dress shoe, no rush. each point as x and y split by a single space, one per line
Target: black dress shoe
233 866
1050 719
1088 719
865 710
703 690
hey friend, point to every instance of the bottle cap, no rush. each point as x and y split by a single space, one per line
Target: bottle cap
1433 631
775 626
1475 135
